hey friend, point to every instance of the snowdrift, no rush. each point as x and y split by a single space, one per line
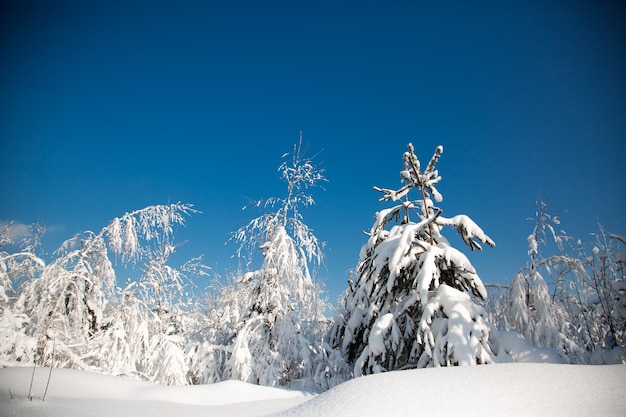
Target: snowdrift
74 393
487 390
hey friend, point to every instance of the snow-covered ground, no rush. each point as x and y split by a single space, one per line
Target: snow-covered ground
523 389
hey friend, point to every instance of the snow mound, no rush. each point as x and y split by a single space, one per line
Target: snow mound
78 393
512 347
527 389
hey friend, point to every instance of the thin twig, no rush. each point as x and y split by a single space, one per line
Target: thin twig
50 373
32 378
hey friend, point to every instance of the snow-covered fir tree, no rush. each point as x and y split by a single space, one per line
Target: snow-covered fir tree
411 305
281 322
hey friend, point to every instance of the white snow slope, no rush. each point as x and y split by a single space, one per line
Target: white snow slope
527 389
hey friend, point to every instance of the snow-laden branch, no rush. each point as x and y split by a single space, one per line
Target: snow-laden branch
153 223
468 230
28 255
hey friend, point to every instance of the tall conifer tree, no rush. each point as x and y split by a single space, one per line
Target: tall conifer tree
411 305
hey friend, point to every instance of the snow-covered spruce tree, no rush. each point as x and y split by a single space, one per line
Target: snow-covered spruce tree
410 305
67 302
282 320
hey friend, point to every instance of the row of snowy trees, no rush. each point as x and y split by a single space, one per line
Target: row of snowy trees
415 300
265 326
72 313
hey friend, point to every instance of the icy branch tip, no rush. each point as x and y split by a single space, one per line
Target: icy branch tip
440 149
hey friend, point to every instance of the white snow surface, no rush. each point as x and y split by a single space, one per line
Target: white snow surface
515 389
74 393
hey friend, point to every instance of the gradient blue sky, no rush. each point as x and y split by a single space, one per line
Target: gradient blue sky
107 107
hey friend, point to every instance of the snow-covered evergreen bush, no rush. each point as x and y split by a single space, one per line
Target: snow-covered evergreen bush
281 323
410 305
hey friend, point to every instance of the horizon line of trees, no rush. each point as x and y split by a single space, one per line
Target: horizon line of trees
413 300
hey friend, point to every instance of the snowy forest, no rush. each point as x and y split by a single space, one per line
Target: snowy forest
413 300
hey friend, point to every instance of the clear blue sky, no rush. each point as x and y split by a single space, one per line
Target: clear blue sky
107 107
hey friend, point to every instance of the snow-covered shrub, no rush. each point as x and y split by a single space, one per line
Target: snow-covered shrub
67 302
333 368
210 345
73 306
532 311
410 304
603 286
148 326
578 308
18 267
120 346
172 317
